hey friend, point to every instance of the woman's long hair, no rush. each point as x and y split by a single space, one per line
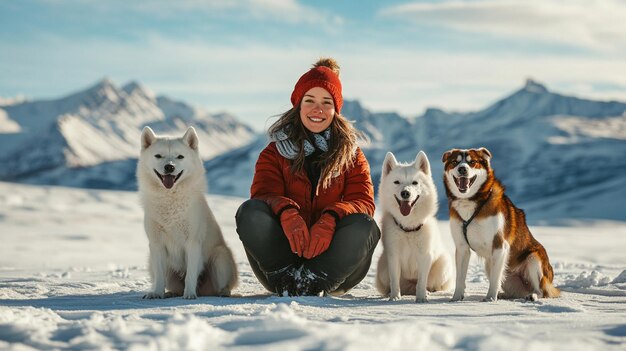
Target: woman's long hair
341 147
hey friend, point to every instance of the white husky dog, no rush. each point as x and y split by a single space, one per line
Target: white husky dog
188 255
414 258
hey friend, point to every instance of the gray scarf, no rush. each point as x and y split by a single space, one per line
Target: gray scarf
290 151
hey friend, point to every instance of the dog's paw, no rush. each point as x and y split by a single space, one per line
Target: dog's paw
532 297
490 299
224 293
421 300
394 298
456 298
153 295
190 296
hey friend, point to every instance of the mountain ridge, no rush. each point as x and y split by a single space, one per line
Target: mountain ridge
533 133
546 146
102 123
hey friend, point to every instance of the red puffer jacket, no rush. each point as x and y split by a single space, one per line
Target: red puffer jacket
350 192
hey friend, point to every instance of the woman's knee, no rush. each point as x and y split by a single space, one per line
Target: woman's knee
252 208
254 218
256 224
360 224
355 239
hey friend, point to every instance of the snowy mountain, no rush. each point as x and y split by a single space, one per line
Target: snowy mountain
543 144
558 155
91 138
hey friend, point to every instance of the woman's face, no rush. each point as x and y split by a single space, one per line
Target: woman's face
317 109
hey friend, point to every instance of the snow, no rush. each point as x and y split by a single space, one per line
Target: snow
7 125
8 101
577 128
586 280
73 271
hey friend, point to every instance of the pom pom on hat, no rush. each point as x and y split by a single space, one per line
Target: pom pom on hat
324 74
328 62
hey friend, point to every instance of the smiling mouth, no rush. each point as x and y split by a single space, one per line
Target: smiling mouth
168 180
464 183
406 206
316 119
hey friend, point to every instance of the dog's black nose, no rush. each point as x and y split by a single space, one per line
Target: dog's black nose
169 168
463 171
405 194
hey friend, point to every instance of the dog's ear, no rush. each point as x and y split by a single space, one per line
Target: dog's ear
485 153
147 137
422 163
389 163
446 155
191 138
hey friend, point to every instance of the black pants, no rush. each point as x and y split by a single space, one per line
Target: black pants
336 270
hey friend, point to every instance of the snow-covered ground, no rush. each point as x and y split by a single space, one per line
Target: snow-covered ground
73 271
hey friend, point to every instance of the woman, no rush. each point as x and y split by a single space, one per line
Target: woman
308 227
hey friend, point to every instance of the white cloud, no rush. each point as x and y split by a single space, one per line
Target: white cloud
409 81
292 11
584 23
282 11
288 11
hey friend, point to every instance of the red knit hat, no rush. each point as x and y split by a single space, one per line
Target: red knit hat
324 74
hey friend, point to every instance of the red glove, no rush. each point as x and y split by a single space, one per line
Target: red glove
295 230
321 234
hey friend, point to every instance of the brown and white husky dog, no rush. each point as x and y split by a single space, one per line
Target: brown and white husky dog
484 219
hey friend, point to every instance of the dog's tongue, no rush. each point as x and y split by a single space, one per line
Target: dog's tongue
463 183
405 208
168 180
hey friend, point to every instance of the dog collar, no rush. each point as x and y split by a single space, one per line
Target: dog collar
407 230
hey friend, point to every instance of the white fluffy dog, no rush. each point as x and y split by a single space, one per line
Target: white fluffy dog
188 255
414 259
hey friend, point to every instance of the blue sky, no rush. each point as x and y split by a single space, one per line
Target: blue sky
244 57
